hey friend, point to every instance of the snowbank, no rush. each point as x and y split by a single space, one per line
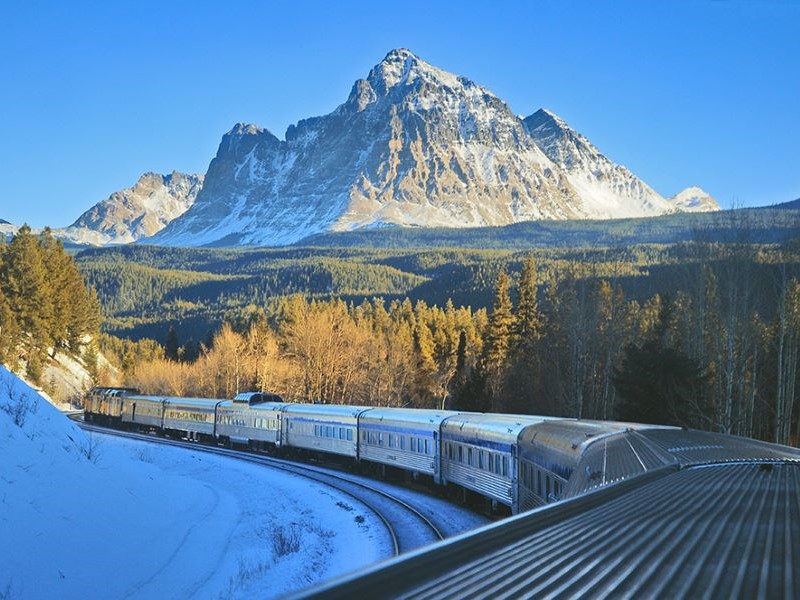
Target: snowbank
85 516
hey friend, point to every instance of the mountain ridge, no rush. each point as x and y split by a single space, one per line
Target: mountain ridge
141 210
412 145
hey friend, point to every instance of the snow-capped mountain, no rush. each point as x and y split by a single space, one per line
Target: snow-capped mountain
135 212
694 199
413 145
607 190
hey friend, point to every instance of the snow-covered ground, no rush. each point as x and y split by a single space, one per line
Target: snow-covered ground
83 516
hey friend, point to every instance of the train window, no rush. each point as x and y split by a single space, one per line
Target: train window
539 482
427 446
469 456
547 483
402 442
363 436
461 454
316 430
380 439
391 441
341 433
480 459
349 435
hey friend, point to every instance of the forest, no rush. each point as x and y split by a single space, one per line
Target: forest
702 333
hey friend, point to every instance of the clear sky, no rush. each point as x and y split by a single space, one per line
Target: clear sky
92 94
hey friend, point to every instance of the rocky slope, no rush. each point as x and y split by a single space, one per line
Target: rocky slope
413 145
608 190
135 212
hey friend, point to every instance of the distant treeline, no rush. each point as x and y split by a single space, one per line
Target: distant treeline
45 306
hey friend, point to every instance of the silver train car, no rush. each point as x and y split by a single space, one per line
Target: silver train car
144 411
252 419
404 438
196 417
512 463
322 428
479 453
563 458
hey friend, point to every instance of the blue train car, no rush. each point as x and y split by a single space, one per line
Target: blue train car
322 427
479 453
560 459
404 438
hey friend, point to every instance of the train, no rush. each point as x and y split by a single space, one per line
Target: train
505 463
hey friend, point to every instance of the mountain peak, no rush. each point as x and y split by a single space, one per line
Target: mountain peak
242 129
694 199
401 68
138 211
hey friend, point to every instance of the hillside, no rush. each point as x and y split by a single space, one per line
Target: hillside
75 510
145 289
77 507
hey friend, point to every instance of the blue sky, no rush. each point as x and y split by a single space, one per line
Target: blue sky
92 94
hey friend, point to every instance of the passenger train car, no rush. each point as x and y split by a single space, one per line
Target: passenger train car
403 438
511 463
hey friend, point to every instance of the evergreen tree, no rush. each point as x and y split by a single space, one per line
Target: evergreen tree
9 332
498 342
501 325
171 345
658 383
528 321
26 286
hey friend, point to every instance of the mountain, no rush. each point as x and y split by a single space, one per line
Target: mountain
608 190
135 212
694 199
4 222
413 145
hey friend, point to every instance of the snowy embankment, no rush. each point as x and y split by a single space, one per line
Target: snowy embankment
83 516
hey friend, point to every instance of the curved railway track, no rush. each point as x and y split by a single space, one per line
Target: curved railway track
406 525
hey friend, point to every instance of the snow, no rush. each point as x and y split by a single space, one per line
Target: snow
694 199
86 516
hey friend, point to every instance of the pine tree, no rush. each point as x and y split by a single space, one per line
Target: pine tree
498 342
171 345
528 321
9 332
28 292
501 325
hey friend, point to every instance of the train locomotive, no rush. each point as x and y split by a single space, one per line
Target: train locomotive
508 463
